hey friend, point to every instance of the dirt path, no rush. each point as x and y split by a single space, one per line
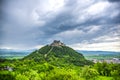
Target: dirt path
48 52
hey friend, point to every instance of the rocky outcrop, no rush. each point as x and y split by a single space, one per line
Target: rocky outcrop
57 43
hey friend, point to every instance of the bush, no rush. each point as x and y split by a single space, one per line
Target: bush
63 74
6 75
21 77
115 74
89 73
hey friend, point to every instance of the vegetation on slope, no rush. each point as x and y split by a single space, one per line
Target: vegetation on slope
58 54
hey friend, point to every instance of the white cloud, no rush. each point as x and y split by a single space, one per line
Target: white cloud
115 14
23 17
92 29
98 8
76 34
38 46
49 9
102 46
108 42
107 38
70 34
33 13
22 47
35 19
56 4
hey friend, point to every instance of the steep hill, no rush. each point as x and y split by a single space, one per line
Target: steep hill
58 53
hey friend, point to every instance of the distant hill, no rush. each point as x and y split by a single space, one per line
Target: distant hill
106 55
10 53
57 53
87 53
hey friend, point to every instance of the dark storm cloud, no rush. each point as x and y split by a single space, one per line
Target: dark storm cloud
64 20
1 20
67 21
16 27
114 0
60 23
30 23
105 21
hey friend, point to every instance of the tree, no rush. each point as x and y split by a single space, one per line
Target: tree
89 73
115 74
21 77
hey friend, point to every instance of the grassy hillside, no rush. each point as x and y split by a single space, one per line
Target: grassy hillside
59 54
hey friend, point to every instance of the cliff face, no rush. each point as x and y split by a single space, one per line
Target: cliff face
57 43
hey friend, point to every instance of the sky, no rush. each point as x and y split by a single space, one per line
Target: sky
80 24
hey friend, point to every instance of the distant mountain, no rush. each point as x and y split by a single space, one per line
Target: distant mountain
10 53
88 53
100 55
58 53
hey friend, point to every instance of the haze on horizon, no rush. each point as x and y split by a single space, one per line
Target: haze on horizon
80 24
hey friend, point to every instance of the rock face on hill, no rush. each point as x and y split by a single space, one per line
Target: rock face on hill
57 43
57 53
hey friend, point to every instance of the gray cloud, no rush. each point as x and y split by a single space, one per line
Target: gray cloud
114 0
30 23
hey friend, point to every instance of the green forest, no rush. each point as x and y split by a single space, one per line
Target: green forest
57 63
32 70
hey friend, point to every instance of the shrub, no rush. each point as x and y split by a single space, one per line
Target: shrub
115 74
89 73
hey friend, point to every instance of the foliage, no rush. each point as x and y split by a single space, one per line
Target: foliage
110 69
59 54
57 63
62 74
116 74
89 73
104 78
6 75
31 70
